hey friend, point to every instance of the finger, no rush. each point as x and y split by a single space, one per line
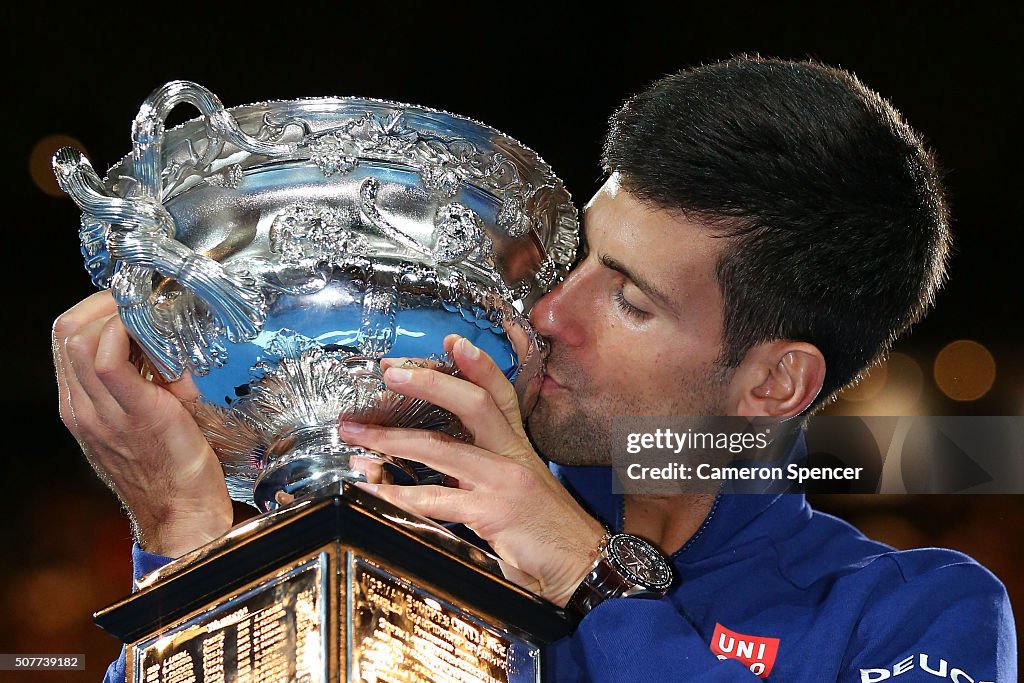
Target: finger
386 363
67 411
184 389
472 404
76 409
479 368
81 415
113 367
470 465
100 304
80 349
120 376
371 468
399 362
435 502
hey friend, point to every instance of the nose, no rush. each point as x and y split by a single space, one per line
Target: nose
558 315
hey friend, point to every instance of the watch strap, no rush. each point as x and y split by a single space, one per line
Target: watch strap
602 582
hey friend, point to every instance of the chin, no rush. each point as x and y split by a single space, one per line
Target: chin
575 440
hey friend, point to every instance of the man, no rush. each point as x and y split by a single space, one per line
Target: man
766 230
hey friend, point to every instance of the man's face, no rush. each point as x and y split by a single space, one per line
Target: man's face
634 329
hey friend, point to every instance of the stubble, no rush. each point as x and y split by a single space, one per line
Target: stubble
575 427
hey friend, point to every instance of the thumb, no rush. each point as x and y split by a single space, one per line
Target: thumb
184 389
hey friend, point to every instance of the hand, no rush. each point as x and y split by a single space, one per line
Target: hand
505 494
138 434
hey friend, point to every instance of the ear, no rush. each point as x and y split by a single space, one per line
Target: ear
777 379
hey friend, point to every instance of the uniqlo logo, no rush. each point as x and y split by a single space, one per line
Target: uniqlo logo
756 652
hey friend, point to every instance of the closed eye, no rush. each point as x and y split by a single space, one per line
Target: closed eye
629 309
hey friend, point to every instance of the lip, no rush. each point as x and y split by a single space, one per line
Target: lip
550 384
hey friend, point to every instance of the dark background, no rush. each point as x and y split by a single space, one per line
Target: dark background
549 78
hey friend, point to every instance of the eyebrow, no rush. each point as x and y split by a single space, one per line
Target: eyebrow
642 284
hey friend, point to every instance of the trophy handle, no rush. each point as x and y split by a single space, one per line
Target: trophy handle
148 135
137 234
139 245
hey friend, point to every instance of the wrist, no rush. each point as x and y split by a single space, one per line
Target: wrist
597 540
182 532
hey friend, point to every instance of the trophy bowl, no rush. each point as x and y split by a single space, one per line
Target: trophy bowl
278 251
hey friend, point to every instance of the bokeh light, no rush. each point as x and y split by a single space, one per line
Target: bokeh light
39 162
49 599
870 385
895 387
965 370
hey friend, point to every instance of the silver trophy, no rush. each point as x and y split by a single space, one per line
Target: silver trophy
277 251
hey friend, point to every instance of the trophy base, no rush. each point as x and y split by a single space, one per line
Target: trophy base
339 588
310 459
301 474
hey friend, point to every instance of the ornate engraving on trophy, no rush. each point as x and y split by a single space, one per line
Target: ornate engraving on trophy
273 632
400 633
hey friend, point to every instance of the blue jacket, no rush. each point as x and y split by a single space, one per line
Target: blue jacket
770 589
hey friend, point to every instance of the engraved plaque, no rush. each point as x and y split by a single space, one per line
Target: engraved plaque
401 633
274 632
343 588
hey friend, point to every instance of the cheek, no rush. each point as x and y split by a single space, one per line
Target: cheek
633 370
662 366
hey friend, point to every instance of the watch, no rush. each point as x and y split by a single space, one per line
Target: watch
627 566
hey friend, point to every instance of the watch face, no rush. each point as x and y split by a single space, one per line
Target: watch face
640 562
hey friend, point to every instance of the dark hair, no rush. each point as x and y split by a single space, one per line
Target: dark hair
837 210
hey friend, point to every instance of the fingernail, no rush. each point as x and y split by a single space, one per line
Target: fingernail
469 350
397 375
367 486
353 427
